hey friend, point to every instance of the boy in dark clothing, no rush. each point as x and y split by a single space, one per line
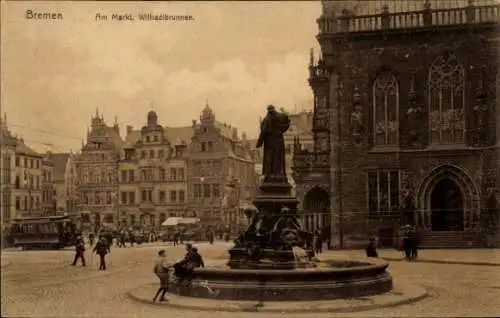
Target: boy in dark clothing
102 248
80 250
196 259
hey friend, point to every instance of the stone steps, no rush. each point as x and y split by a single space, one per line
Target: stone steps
450 239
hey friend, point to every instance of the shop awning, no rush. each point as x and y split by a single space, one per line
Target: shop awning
248 207
179 221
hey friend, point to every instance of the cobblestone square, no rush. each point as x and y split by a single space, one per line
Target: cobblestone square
44 284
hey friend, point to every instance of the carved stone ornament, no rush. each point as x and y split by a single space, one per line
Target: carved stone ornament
415 118
357 118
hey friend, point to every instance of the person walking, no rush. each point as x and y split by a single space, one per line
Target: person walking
79 252
318 241
102 249
162 270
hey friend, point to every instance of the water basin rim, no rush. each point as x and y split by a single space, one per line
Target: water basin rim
290 272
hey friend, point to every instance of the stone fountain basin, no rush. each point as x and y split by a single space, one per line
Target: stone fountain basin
332 279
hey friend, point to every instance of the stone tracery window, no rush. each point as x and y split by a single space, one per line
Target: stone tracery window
446 100
385 91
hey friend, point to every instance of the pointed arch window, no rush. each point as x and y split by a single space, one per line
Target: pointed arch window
385 109
446 89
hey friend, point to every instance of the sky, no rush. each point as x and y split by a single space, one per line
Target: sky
238 56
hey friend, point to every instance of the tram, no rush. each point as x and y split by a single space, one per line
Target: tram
45 232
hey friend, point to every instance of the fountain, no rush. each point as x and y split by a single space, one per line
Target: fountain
268 262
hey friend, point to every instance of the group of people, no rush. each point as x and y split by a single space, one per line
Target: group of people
183 269
101 248
410 242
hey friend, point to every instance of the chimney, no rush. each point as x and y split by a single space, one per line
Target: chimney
194 123
234 133
129 129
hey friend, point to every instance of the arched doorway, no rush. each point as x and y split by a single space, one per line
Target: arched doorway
447 206
317 209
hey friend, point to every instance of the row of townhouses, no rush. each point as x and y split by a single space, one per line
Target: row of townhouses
205 170
34 184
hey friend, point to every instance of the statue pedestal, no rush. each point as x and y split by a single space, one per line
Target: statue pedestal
266 244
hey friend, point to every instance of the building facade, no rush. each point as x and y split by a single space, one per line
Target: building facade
220 166
97 166
27 181
153 174
48 202
405 119
64 180
7 151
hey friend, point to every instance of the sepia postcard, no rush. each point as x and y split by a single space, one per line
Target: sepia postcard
330 158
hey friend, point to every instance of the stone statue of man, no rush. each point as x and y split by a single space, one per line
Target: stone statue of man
272 128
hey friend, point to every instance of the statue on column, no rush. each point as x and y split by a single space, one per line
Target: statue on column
415 118
357 118
272 128
480 114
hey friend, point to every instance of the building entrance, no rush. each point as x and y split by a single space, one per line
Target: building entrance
317 210
447 206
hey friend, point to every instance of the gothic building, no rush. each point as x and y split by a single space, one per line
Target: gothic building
153 174
405 120
97 166
220 168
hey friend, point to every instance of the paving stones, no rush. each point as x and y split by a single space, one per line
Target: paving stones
454 290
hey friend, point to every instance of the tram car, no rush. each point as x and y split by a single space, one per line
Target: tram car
46 232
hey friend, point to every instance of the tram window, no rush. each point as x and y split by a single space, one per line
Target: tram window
43 228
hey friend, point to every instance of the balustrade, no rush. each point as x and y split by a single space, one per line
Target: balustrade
407 20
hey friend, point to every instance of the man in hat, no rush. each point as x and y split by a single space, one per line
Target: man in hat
102 248
80 251
162 269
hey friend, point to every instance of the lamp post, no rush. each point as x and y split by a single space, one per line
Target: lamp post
233 189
